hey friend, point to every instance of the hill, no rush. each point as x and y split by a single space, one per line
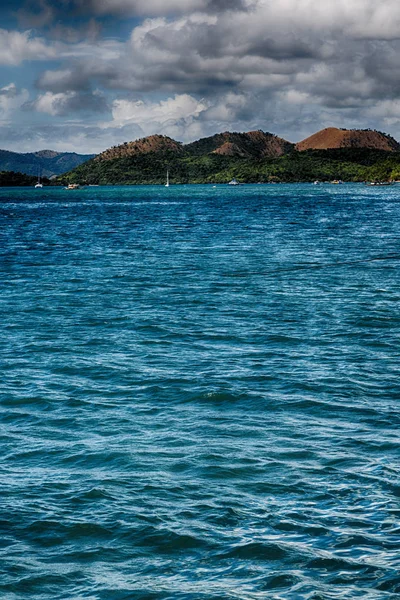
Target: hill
248 157
254 144
153 144
331 138
209 159
48 162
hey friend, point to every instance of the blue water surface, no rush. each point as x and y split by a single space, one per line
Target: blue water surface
200 392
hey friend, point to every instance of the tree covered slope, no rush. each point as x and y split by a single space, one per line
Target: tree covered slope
248 157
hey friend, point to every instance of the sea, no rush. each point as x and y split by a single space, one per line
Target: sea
200 393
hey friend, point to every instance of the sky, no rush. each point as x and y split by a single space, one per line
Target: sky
85 75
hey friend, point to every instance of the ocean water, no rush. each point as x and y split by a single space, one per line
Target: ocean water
200 393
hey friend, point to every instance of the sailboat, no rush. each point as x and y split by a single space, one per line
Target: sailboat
39 184
167 184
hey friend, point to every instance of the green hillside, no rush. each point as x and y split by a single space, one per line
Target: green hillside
347 164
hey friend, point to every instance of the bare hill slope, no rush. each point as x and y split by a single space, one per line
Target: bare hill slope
331 137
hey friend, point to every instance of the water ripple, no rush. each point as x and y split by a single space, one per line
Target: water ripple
199 393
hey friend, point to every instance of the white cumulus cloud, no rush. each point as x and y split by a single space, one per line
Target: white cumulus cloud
17 46
11 99
173 109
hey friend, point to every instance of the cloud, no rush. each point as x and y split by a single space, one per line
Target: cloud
179 107
16 47
89 32
178 116
388 109
358 19
182 117
259 45
288 66
64 137
9 91
11 99
38 13
186 118
65 103
63 80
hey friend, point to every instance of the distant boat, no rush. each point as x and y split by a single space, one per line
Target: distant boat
39 183
167 184
233 182
73 186
379 183
316 182
337 182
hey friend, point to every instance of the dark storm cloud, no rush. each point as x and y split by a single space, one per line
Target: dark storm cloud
39 13
382 66
283 49
159 7
217 6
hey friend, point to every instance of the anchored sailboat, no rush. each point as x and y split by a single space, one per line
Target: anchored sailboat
39 184
167 184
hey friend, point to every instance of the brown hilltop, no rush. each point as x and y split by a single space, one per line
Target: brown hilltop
253 144
152 143
331 137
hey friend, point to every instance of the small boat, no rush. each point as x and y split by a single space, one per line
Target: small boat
167 184
380 183
73 186
316 182
39 184
337 182
233 182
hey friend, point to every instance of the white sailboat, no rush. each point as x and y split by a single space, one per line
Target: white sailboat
167 184
39 184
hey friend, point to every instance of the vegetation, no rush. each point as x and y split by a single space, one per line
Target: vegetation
11 179
347 164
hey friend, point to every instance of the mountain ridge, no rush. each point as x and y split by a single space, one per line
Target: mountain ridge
255 144
48 163
332 153
256 156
